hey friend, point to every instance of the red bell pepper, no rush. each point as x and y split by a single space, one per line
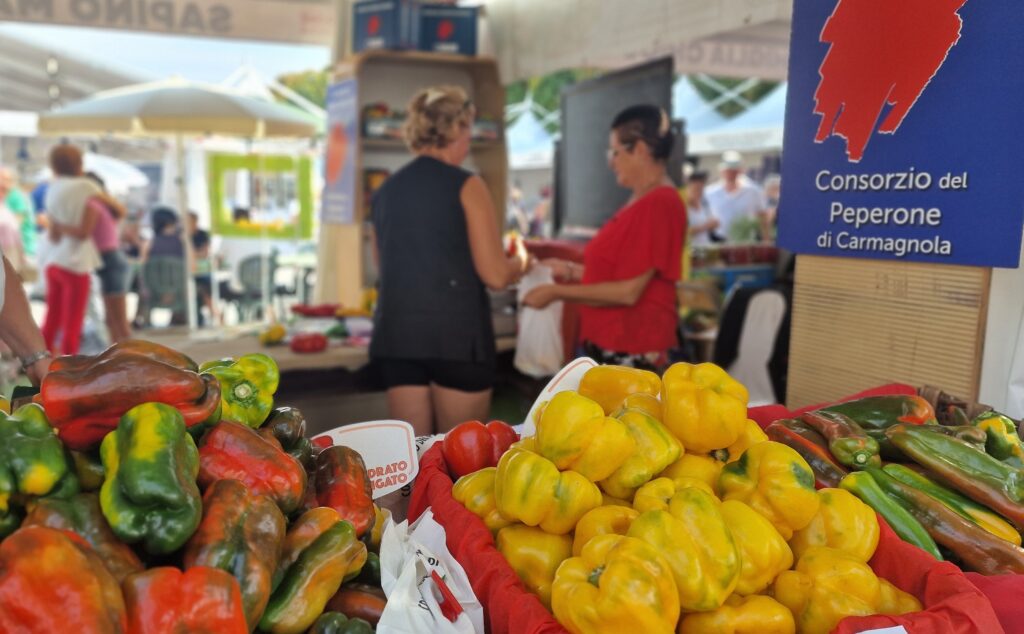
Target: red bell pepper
154 351
231 451
343 485
167 601
81 515
52 581
305 342
242 534
472 446
86 402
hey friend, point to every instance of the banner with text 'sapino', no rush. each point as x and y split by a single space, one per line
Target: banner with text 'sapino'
904 137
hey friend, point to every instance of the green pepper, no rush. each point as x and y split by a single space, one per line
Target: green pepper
338 623
247 387
846 440
864 485
88 469
288 426
370 573
319 551
880 412
32 463
149 493
975 548
82 516
962 506
965 468
1001 439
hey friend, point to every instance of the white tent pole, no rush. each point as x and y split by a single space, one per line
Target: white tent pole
186 239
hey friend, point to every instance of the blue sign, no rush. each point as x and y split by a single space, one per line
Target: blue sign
339 197
903 137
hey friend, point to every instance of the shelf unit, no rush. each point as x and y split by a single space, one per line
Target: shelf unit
393 77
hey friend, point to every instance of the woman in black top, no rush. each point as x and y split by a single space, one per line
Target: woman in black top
438 246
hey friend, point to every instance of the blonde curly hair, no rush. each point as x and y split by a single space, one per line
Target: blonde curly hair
437 115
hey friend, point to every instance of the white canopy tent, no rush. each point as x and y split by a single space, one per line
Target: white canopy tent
759 129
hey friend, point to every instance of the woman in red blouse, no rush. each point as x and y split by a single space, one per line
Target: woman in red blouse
627 284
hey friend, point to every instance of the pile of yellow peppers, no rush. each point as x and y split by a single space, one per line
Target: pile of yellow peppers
653 504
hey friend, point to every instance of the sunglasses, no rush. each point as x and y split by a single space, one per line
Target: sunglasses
612 153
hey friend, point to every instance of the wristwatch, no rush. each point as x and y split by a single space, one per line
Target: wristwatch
28 361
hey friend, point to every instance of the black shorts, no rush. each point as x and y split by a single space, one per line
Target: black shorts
465 376
114 273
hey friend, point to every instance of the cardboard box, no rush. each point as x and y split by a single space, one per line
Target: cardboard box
447 29
383 24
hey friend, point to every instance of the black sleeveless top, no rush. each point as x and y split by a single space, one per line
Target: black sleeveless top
431 304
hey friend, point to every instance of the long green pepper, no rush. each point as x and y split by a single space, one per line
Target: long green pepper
864 485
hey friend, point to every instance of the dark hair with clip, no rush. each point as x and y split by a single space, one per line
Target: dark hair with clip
646 123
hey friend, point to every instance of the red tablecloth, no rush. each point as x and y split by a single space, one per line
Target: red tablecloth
953 605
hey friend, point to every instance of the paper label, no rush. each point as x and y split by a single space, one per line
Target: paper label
388 448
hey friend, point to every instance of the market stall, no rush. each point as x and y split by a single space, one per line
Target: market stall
626 498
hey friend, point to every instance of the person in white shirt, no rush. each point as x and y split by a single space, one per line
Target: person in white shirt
701 222
73 259
737 202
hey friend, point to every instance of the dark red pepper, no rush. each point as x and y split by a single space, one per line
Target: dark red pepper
472 446
86 402
343 485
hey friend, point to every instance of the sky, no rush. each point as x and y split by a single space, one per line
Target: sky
160 56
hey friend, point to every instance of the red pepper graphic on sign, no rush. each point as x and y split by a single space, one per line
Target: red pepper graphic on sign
374 24
445 29
882 53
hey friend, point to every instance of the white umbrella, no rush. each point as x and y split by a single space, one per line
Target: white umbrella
117 175
178 108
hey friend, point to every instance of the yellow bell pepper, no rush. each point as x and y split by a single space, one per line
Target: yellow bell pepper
643 402
604 520
741 615
609 385
697 466
828 585
894 601
526 443
776 482
763 552
575 434
475 491
842 522
703 406
696 542
607 500
656 448
530 489
750 436
618 584
656 494
535 556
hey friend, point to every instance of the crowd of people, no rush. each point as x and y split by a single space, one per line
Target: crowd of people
76 242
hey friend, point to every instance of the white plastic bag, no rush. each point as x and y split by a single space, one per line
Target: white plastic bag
428 590
539 342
